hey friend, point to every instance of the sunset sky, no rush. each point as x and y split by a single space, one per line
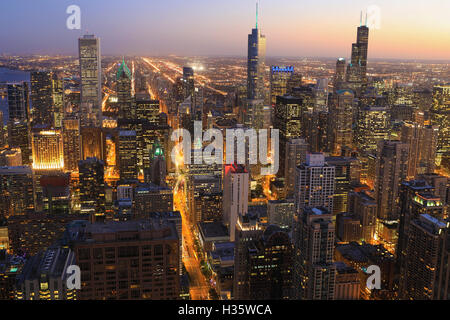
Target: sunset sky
410 29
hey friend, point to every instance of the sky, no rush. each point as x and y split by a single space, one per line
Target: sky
408 29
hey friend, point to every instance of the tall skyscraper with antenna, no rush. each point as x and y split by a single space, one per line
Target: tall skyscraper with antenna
357 69
256 64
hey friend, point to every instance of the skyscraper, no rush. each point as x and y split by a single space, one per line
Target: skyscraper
188 83
42 97
235 195
441 117
422 142
124 99
143 255
91 81
16 191
416 198
296 150
128 160
341 113
339 76
256 64
314 271
357 69
391 170
288 119
92 186
48 150
266 265
71 144
314 183
426 262
279 78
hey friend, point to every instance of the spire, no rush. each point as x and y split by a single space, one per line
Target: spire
257 7
366 21
360 19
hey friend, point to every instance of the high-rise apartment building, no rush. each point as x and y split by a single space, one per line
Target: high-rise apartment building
422 142
391 170
425 272
315 183
42 97
314 270
296 150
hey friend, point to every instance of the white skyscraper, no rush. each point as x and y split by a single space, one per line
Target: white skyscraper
235 196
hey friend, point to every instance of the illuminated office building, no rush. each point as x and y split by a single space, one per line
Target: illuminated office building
288 119
71 144
152 198
391 170
341 111
123 88
16 191
58 101
267 260
188 83
128 159
147 109
19 137
279 77
314 270
93 143
422 142
296 150
339 75
425 272
235 195
47 150
346 171
91 81
373 126
315 183
440 117
92 186
42 97
143 254
44 276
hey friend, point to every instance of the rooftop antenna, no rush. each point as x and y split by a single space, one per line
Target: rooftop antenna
366 20
360 19
257 14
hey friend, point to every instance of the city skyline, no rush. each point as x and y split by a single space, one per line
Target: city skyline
308 29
